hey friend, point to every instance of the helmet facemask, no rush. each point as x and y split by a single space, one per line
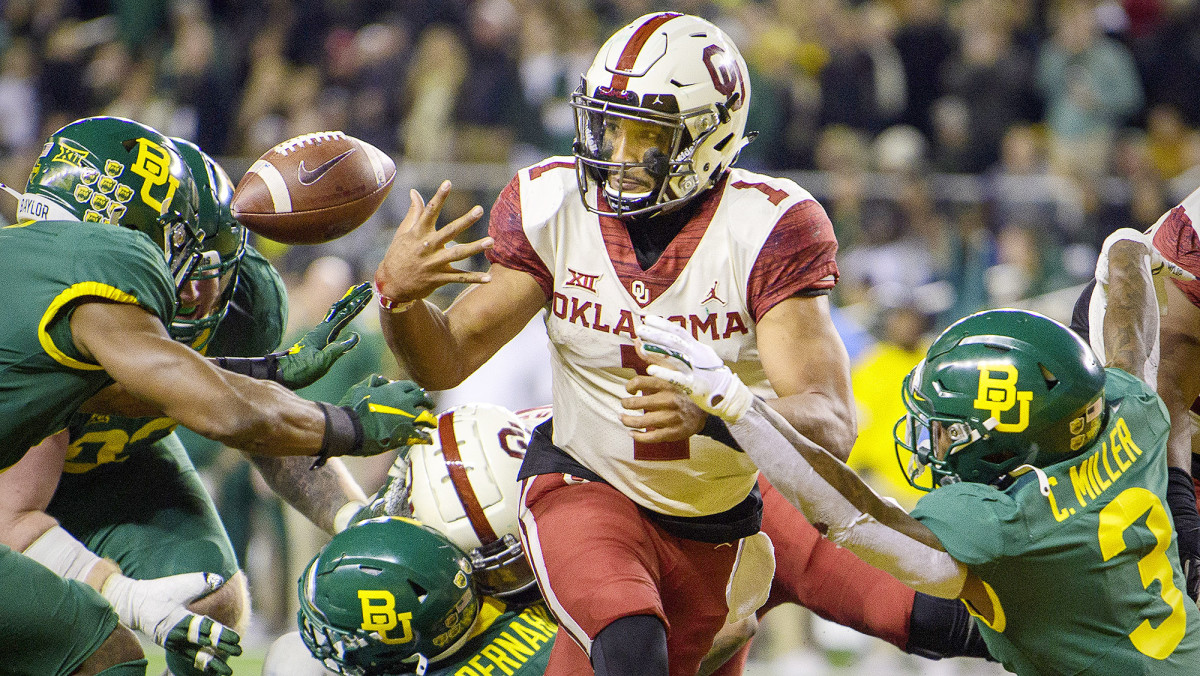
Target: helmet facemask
669 138
224 247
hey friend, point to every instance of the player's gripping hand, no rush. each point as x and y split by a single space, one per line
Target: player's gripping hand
693 368
204 644
157 608
392 413
315 353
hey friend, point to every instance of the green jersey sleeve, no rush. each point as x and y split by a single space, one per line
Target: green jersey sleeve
970 519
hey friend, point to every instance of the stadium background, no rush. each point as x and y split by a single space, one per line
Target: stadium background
971 154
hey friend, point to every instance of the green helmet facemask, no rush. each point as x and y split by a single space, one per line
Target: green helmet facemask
223 249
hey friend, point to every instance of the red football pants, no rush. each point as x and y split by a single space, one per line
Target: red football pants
598 558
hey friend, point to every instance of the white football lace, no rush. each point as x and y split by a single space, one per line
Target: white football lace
291 145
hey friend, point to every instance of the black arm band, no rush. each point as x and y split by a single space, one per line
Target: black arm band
1181 498
715 429
343 433
940 628
259 368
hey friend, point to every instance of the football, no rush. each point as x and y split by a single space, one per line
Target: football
313 188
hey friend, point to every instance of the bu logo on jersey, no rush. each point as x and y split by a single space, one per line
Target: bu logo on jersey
998 394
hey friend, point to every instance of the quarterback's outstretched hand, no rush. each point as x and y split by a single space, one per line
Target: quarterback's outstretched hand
314 354
419 259
157 608
393 413
693 368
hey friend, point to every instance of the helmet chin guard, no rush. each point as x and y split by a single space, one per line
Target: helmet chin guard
677 74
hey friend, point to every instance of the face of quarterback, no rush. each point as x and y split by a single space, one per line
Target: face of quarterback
629 140
199 294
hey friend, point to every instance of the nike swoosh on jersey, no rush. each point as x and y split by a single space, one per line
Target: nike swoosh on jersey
307 177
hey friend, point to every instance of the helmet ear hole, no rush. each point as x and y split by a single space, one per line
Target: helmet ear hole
1051 380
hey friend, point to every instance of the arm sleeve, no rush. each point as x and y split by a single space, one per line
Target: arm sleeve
512 248
968 519
126 260
797 257
917 565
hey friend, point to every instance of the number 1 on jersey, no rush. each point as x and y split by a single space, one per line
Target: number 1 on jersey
669 450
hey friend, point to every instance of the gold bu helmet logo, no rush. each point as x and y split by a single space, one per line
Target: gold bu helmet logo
379 615
998 395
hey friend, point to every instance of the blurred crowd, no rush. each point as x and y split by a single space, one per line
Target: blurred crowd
971 153
978 150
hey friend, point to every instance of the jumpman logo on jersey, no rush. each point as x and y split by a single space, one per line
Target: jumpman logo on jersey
583 281
712 295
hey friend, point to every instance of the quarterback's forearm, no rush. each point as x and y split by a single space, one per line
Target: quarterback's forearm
837 502
421 340
827 420
318 493
1178 377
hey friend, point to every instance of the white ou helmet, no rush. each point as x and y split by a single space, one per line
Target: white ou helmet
676 71
464 485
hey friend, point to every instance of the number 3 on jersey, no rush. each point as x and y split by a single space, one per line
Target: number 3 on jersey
1117 517
670 450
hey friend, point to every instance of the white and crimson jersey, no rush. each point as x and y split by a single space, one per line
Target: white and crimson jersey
1176 239
753 241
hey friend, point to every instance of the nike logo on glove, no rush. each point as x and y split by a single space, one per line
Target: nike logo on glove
307 177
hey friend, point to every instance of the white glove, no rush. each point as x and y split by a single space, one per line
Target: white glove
154 607
693 368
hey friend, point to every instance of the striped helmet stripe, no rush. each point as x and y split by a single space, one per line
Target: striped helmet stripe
634 47
462 484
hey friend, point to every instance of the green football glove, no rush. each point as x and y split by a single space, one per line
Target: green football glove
199 646
392 413
314 354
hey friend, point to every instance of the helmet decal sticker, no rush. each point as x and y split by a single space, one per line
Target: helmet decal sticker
999 395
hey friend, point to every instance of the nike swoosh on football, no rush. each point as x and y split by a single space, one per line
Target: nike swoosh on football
307 177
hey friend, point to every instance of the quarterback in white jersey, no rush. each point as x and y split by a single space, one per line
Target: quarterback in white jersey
636 505
752 241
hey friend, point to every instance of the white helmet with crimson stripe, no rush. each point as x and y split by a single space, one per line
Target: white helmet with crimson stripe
464 485
675 74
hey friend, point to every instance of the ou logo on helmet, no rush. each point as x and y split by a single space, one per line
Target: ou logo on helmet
999 394
726 75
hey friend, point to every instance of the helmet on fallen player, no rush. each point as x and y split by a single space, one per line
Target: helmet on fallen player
998 390
386 596
679 83
465 486
117 171
223 249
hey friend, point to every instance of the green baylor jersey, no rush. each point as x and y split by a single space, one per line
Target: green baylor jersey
513 643
1082 569
252 327
49 267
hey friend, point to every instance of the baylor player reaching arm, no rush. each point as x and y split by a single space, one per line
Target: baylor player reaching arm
1047 515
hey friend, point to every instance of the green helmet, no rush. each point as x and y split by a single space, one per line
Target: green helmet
1007 388
387 595
227 245
112 170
